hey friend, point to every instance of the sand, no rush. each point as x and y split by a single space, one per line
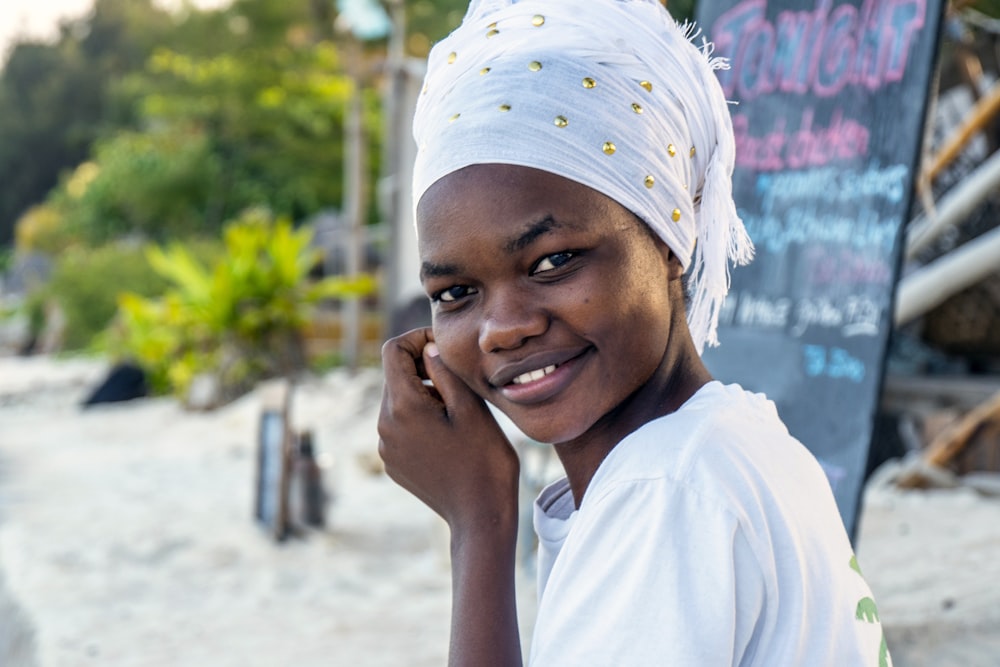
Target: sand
126 538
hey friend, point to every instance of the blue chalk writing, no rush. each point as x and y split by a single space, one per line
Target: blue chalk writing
836 363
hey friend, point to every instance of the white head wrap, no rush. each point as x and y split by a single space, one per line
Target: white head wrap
609 93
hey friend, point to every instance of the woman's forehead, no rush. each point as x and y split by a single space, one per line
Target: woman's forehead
514 203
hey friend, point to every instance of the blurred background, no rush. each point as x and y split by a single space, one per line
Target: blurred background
204 204
129 125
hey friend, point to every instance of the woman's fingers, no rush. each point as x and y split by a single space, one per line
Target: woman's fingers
402 359
455 394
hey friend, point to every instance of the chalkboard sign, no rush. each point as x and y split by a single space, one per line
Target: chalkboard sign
274 456
829 100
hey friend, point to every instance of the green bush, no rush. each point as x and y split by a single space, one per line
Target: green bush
241 319
85 284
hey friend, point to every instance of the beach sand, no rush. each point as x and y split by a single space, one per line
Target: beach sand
126 539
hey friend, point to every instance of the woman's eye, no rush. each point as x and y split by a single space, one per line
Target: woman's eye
453 293
552 262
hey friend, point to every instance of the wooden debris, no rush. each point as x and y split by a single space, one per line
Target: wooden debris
946 447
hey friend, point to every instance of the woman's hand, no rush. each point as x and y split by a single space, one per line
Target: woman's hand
441 443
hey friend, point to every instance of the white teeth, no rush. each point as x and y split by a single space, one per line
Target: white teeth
532 376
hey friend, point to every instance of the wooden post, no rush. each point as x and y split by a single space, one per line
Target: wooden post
354 200
396 132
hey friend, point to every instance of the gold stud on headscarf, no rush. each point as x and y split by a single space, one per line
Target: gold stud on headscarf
671 150
485 70
454 118
504 107
647 85
534 66
609 148
451 57
676 215
561 121
492 33
636 108
538 20
692 151
588 82
649 181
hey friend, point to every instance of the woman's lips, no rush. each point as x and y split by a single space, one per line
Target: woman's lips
543 383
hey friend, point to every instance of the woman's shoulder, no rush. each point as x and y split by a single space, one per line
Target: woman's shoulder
725 444
718 421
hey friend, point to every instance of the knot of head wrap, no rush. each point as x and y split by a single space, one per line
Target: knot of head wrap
612 94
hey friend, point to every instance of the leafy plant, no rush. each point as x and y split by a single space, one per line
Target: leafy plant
85 284
241 319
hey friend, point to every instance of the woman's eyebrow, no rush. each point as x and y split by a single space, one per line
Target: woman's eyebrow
532 232
432 270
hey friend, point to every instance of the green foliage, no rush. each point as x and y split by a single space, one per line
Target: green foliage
34 309
428 21
56 99
156 185
240 319
189 119
989 8
682 10
85 285
272 120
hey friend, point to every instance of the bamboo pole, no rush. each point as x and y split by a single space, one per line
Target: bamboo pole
955 206
932 284
983 112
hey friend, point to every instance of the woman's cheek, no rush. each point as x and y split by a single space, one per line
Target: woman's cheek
454 344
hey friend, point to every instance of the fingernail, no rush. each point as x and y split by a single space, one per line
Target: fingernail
431 349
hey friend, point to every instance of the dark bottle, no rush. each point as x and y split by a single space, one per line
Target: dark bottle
310 483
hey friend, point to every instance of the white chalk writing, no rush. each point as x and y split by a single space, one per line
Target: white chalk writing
852 315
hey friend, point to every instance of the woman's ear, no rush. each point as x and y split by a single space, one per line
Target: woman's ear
674 269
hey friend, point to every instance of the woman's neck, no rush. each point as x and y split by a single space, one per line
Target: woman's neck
680 375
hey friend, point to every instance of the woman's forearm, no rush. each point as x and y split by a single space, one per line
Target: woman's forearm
484 629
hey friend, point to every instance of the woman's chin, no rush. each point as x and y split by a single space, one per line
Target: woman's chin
547 431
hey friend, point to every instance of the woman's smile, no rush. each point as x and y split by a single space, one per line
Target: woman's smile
542 383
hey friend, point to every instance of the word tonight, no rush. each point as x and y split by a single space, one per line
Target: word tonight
819 51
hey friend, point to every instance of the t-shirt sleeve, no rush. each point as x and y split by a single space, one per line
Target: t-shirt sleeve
655 574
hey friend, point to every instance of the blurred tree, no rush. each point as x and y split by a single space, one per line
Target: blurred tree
271 118
238 108
427 21
55 99
149 184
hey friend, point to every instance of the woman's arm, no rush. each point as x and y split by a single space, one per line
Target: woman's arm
442 444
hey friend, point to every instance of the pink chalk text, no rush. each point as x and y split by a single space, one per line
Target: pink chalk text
819 51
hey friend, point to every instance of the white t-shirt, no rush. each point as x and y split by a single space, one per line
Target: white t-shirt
707 537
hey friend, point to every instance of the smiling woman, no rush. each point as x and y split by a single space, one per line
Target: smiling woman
574 163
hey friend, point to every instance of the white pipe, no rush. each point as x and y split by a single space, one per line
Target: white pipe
955 206
932 284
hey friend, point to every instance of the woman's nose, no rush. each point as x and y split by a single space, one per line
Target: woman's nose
511 318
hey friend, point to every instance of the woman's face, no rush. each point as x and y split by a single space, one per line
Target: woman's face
549 299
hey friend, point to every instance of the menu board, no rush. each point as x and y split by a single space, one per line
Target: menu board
828 102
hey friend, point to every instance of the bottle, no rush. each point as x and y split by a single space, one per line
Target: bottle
310 482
